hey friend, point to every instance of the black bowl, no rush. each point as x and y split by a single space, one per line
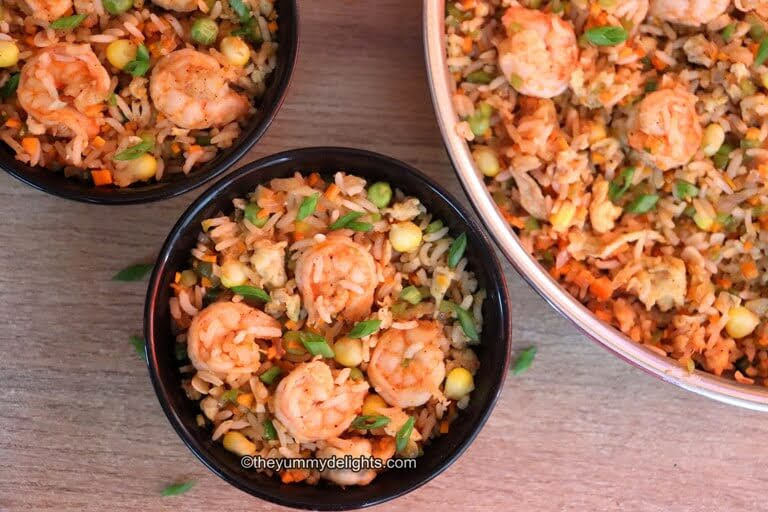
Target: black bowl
277 85
493 352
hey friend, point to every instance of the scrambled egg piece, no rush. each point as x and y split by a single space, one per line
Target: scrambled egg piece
661 282
268 260
602 212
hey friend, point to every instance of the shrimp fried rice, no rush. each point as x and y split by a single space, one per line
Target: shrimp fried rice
320 319
115 92
625 142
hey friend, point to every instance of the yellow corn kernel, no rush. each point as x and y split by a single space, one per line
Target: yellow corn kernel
486 161
121 52
459 383
714 136
235 51
348 352
596 132
237 443
562 218
405 236
741 322
245 399
233 273
703 222
144 167
9 54
372 405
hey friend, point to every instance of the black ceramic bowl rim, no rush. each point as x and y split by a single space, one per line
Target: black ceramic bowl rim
228 184
57 184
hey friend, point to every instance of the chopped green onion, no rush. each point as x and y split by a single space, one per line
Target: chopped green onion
369 422
756 29
480 120
651 86
241 9
524 360
139 346
380 194
434 226
10 86
727 32
642 204
749 143
269 376
139 65
315 344
457 13
532 224
68 22
204 31
463 316
134 152
203 140
457 249
684 189
516 81
270 433
411 295
479 77
229 396
722 157
251 214
762 52
404 434
116 7
176 489
606 36
363 227
134 272
308 206
251 292
112 99
363 329
345 219
619 186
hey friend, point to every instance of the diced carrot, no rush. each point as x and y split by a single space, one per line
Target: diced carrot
272 26
713 319
272 351
262 214
444 426
101 177
748 245
724 283
749 269
294 475
177 277
94 110
31 145
210 258
205 282
176 148
604 315
466 44
601 288
194 148
658 63
13 123
332 192
583 278
98 142
314 180
636 333
468 4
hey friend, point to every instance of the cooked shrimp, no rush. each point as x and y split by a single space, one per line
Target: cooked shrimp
49 10
540 52
759 6
688 12
192 89
340 448
177 5
336 277
666 128
64 87
312 406
408 366
221 338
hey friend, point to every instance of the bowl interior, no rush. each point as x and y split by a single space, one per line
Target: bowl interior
493 352
277 85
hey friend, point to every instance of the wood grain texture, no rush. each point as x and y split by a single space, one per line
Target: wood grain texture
80 428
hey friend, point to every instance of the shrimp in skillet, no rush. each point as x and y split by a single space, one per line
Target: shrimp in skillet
192 89
336 277
539 53
64 87
48 10
177 5
221 338
340 448
310 404
688 12
408 366
665 127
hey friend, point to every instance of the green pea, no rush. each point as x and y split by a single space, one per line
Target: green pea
117 6
188 278
380 194
251 213
204 31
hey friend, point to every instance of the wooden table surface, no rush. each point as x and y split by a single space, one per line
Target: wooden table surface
81 429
